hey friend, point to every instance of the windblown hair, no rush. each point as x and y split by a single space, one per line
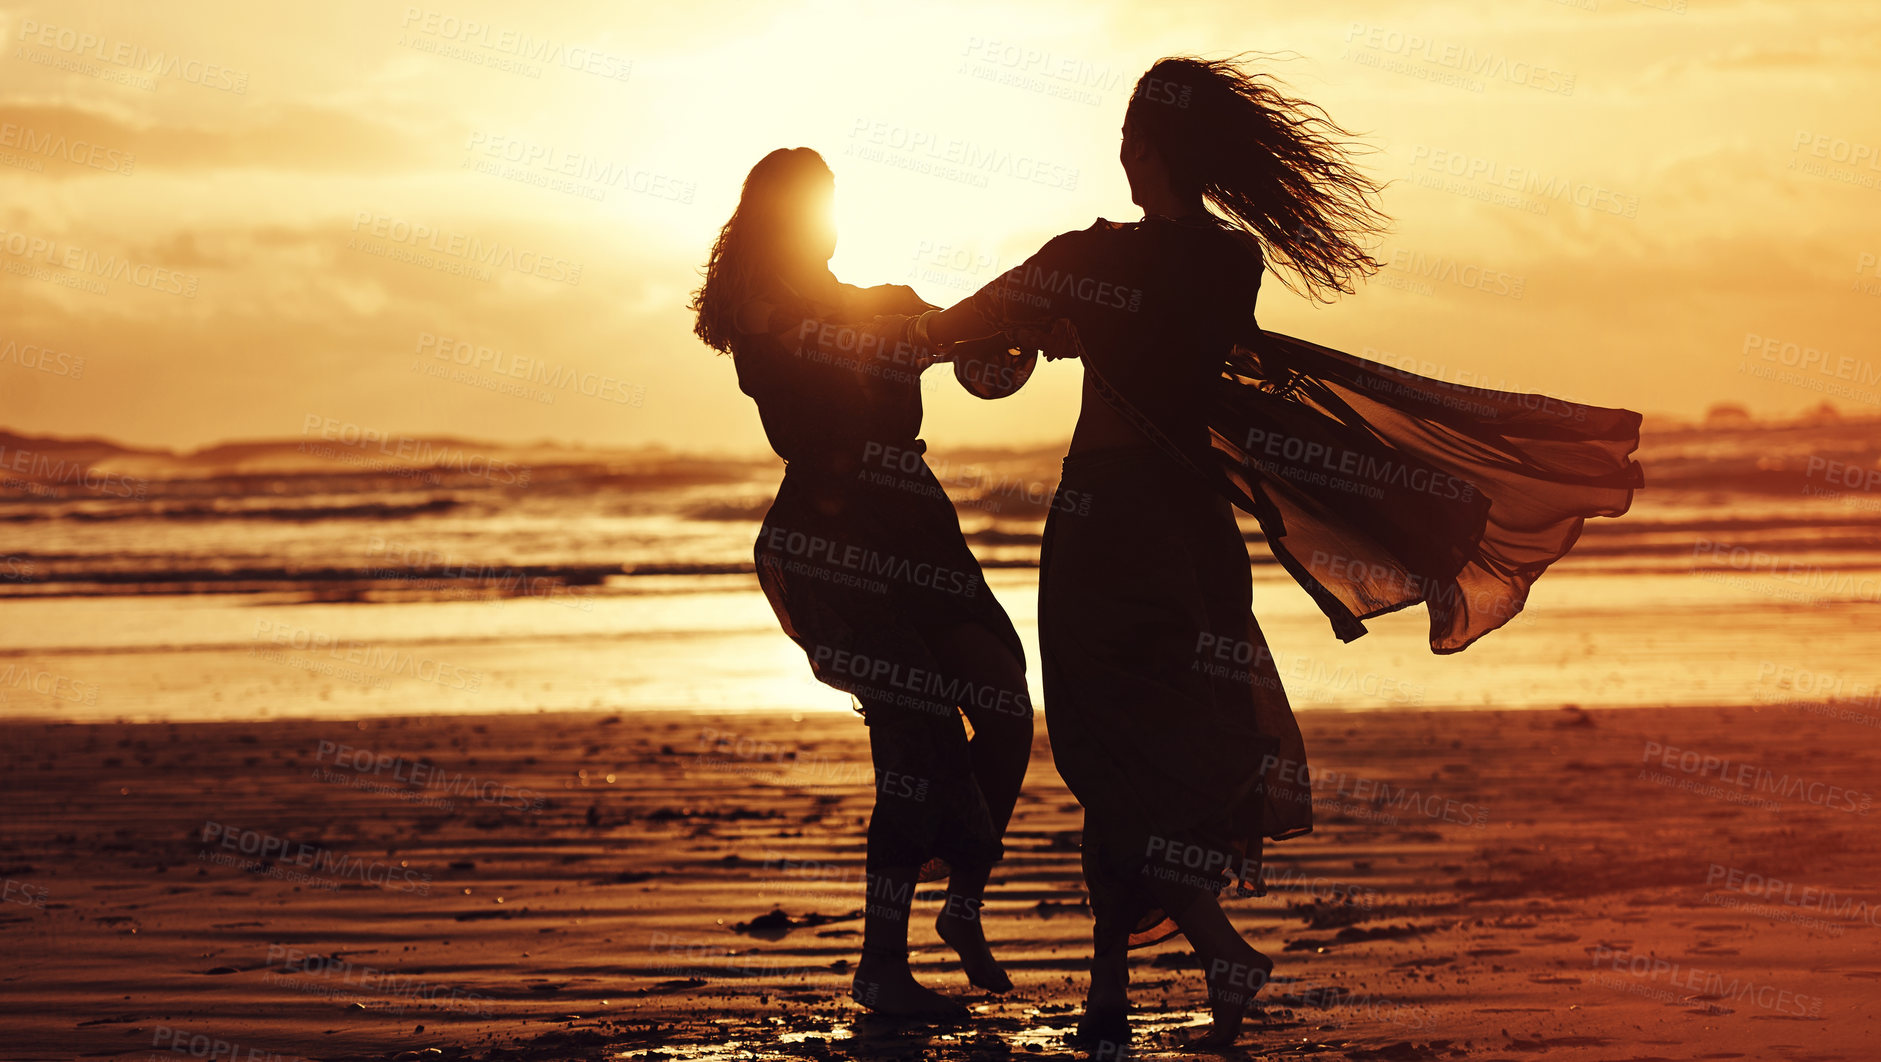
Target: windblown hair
751 244
1277 167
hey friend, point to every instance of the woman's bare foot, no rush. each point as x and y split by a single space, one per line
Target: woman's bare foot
1104 1030
884 984
1234 978
959 927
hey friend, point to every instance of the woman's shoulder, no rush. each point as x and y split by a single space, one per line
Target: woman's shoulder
1100 229
1083 242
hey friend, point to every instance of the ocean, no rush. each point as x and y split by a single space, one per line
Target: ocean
345 578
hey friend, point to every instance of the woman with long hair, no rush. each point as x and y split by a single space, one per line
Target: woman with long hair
863 561
1375 489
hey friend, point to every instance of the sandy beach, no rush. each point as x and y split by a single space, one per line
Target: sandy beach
1634 884
442 446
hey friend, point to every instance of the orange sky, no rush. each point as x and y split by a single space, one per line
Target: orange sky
225 219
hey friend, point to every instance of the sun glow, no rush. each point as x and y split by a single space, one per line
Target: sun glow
961 137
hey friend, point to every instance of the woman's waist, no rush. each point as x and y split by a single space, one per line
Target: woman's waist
853 458
1143 477
1141 460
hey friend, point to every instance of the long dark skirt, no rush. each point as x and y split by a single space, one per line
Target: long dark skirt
1166 712
865 568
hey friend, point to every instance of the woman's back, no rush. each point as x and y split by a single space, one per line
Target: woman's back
828 407
1157 304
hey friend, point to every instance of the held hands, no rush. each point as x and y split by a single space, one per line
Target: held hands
1055 341
1001 364
907 338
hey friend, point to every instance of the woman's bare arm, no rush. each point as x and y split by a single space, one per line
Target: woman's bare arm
959 322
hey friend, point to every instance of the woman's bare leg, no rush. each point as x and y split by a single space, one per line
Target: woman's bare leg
1107 1003
1001 748
1234 969
898 839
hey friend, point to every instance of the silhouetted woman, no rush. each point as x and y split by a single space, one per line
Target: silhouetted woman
863 561
1375 489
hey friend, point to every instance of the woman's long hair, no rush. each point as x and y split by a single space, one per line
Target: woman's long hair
755 241
1276 166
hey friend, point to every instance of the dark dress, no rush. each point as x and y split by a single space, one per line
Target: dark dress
1166 712
862 559
1376 490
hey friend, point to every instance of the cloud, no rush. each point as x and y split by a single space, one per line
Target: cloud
294 137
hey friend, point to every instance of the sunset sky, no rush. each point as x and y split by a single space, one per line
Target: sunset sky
236 217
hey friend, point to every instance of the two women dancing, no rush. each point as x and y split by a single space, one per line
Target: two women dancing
1453 497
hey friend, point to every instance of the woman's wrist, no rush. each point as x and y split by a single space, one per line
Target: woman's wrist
919 331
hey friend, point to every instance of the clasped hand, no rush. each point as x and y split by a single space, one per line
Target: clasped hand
1056 340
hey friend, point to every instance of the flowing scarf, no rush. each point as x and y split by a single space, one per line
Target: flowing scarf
1377 489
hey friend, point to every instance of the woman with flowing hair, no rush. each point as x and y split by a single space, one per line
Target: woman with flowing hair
1375 489
863 561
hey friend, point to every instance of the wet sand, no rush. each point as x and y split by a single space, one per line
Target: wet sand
1482 885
